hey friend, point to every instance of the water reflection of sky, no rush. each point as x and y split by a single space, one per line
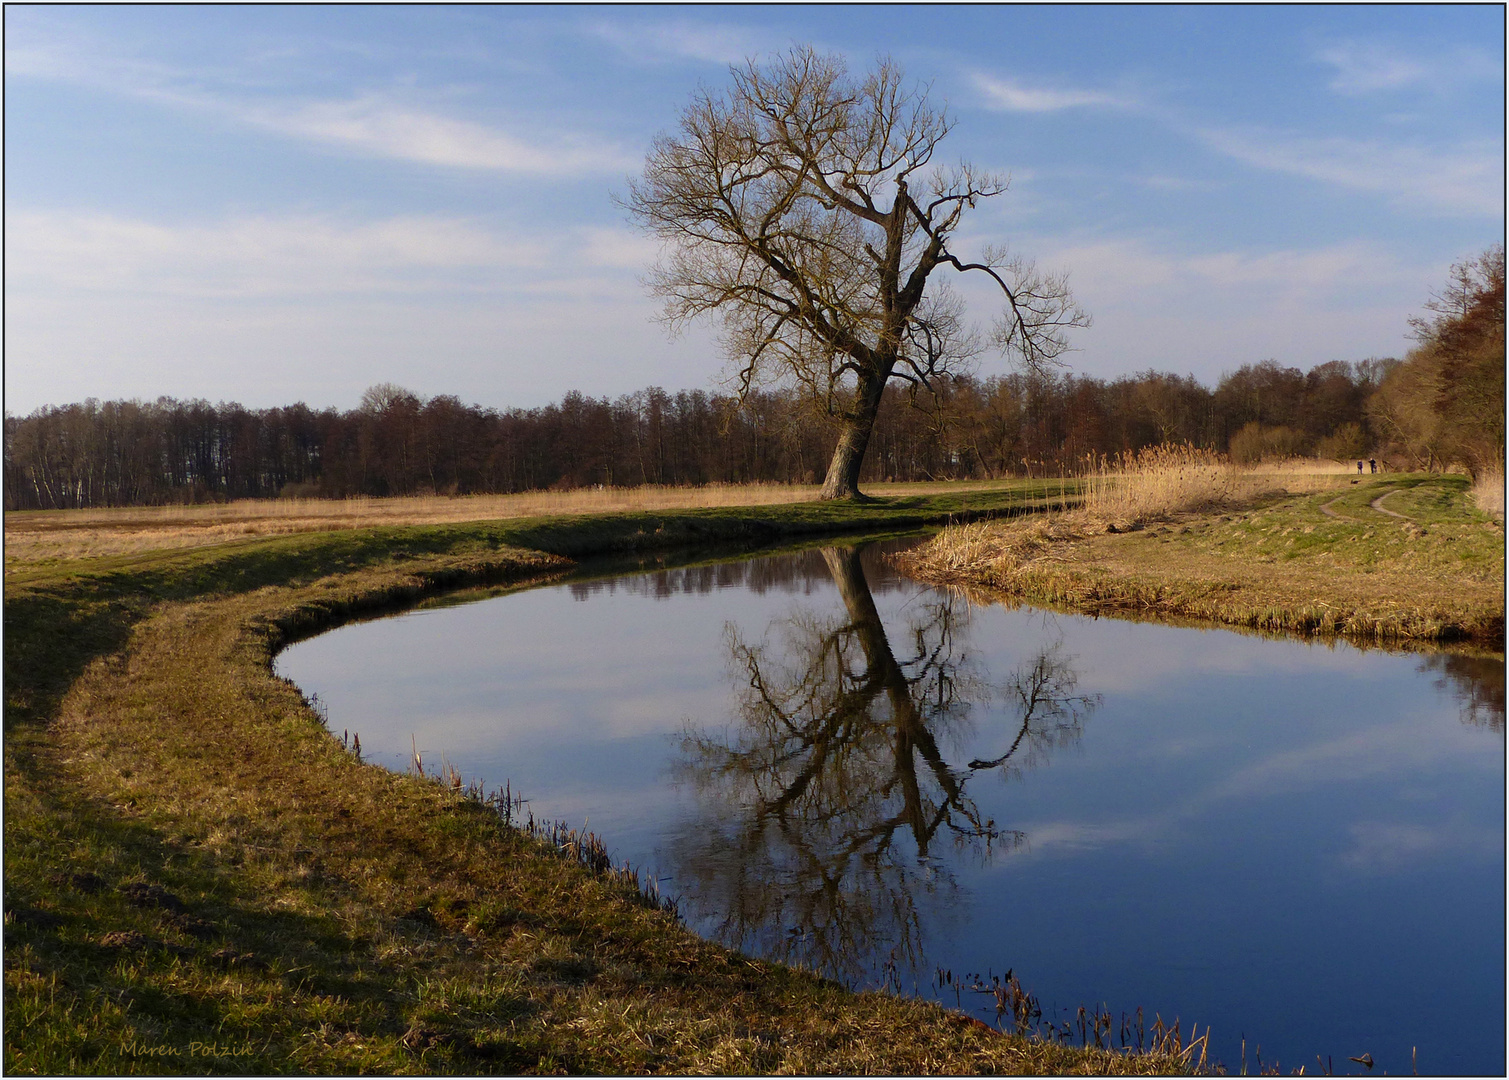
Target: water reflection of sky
1302 844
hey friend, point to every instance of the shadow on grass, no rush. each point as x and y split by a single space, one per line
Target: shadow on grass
144 955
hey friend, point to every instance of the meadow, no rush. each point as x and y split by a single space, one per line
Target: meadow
1295 547
200 877
40 535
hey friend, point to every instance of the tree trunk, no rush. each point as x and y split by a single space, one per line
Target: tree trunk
842 481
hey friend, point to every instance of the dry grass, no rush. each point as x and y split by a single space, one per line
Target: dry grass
192 859
1317 563
1298 475
1161 480
73 534
1157 480
1488 492
34 536
1121 494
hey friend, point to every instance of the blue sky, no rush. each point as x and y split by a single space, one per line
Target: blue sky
273 204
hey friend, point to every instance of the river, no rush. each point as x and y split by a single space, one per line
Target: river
1299 845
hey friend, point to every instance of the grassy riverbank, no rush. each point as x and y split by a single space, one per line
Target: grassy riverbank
36 535
199 878
1396 559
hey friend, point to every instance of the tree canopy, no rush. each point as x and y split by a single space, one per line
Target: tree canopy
1445 404
803 208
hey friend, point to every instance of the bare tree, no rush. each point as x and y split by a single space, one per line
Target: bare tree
803 208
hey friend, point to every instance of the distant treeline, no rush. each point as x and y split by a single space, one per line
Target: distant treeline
1440 407
120 453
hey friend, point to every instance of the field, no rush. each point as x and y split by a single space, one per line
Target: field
42 535
200 878
1403 559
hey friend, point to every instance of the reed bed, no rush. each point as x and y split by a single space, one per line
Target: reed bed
1488 491
1171 479
1158 480
1121 494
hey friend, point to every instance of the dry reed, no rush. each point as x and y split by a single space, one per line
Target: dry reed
1488 491
1160 480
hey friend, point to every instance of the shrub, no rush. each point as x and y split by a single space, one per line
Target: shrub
1258 443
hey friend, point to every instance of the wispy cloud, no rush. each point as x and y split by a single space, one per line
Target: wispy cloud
1367 67
1209 311
1010 96
1363 67
300 256
1131 267
1467 178
384 125
1462 178
681 39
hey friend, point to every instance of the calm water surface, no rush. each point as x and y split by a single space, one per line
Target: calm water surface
1299 844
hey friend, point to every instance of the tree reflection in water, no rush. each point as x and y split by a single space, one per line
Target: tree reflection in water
1477 682
820 811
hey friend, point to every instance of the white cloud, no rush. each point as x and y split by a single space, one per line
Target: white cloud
504 348
376 125
626 249
712 44
1206 312
1009 96
303 256
255 256
1464 179
1393 750
1381 847
1363 67
268 310
1128 270
1366 67
1163 182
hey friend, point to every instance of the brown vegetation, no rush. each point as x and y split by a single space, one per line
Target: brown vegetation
194 860
126 453
1444 406
1427 568
72 534
1488 491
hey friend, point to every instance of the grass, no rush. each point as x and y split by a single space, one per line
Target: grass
1332 562
37 535
200 878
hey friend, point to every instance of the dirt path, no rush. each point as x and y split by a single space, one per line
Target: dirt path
1377 504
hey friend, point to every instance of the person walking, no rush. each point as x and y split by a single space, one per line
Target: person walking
1372 465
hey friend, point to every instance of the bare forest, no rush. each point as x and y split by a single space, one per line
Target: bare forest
133 453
